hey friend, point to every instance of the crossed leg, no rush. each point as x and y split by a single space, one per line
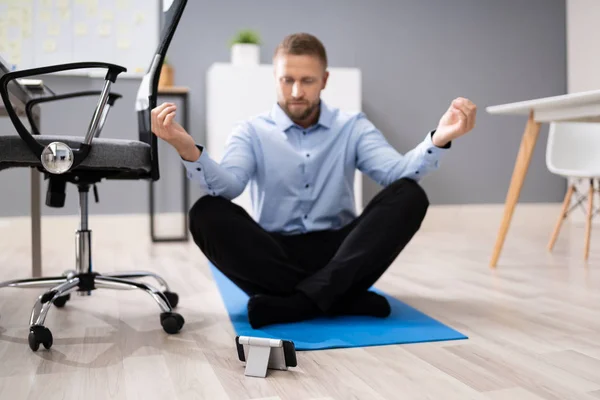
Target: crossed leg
297 277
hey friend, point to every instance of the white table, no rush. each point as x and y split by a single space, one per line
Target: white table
573 107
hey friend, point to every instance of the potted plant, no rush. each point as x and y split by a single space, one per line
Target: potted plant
245 48
167 75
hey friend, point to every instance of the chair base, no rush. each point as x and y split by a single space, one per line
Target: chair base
60 289
84 281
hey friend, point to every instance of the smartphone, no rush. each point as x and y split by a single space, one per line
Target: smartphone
288 347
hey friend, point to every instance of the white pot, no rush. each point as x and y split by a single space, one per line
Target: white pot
245 54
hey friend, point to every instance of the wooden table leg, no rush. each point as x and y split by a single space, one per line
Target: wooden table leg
530 136
588 222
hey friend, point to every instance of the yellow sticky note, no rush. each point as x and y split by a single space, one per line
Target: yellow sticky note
104 30
26 30
15 56
65 14
49 46
53 29
81 29
14 16
107 15
123 44
92 9
26 14
14 46
45 16
139 17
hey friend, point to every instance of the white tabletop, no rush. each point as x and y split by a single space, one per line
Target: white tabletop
581 106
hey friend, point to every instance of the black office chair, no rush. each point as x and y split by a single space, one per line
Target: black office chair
85 161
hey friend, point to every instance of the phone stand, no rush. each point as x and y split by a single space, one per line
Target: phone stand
261 354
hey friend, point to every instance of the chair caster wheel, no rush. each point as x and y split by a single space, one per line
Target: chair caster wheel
173 298
39 335
62 300
171 322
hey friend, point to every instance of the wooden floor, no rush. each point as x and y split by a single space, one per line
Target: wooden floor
533 323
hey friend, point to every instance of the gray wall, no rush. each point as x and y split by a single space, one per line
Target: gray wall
415 56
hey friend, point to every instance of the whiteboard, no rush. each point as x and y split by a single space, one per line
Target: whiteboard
37 33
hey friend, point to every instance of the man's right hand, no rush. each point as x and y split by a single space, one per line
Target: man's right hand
166 128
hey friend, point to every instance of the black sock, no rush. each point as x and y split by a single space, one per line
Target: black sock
368 304
266 310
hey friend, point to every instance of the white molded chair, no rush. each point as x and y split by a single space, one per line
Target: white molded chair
573 151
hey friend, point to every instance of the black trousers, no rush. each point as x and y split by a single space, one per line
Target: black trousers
327 265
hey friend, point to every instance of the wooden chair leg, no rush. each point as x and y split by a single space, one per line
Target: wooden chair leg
563 215
588 225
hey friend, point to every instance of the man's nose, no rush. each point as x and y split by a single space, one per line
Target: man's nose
296 90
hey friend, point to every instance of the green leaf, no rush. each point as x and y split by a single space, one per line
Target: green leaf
246 36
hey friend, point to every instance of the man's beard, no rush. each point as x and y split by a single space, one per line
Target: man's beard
301 116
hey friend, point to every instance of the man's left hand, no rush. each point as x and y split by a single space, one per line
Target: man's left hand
457 121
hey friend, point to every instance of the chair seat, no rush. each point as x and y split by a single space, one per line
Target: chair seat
576 173
105 154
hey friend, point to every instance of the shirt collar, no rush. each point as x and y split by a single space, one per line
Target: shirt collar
284 122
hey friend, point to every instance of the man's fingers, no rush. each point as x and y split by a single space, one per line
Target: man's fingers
168 119
467 108
460 113
163 106
162 115
157 110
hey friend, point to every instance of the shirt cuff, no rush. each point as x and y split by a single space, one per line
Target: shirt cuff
430 136
195 169
195 164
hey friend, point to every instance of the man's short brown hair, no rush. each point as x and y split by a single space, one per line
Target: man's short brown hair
302 44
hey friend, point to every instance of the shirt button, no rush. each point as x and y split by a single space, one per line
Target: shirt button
307 155
307 185
429 151
305 216
198 169
304 132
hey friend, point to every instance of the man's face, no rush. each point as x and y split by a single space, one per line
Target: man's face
299 81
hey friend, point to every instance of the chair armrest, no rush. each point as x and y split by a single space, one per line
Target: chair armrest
36 147
112 97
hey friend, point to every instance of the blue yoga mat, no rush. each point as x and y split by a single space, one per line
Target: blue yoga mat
405 325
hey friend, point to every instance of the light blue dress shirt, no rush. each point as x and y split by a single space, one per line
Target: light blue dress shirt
303 179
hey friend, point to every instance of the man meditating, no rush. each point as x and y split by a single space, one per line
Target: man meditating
305 253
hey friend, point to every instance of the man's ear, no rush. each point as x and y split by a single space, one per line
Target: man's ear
325 77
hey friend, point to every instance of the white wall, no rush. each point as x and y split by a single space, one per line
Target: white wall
583 63
583 47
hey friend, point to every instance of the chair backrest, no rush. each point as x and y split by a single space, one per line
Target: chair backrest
148 90
573 148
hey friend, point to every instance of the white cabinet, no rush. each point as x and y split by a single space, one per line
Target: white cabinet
238 92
